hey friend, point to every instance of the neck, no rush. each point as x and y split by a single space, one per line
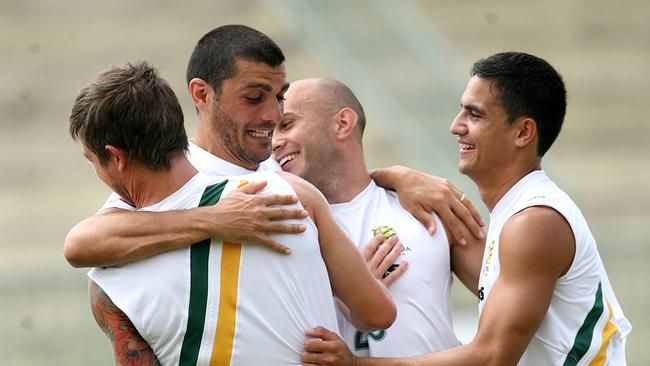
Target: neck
345 178
147 187
495 186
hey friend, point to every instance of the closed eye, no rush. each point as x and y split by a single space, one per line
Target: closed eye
253 99
286 124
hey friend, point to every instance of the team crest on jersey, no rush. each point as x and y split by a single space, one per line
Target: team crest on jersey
488 259
384 230
490 250
388 232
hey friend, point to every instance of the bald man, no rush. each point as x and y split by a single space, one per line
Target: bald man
320 139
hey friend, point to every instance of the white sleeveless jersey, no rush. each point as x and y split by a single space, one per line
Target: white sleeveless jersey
584 324
421 294
216 303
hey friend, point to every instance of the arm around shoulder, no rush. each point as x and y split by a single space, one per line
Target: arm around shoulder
369 302
118 236
536 248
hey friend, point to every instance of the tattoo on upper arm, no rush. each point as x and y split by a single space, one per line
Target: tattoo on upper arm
129 347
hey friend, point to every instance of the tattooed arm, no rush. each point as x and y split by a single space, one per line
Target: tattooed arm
128 346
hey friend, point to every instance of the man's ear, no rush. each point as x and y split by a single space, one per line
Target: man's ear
118 156
202 94
526 129
345 123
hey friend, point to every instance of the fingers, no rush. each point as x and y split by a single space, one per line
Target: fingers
313 345
326 348
465 217
322 333
278 213
397 273
281 228
468 213
279 199
379 255
390 258
263 238
252 187
426 219
268 200
319 343
272 244
384 257
370 248
454 225
315 332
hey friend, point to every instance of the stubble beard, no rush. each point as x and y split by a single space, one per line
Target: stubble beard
320 168
225 128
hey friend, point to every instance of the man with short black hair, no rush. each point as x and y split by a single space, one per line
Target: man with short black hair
544 295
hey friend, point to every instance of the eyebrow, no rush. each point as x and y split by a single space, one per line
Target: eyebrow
265 87
474 108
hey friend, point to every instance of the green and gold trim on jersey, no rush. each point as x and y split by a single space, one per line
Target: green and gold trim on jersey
199 255
227 315
585 335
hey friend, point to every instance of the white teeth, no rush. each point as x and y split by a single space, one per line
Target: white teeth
466 147
287 159
257 133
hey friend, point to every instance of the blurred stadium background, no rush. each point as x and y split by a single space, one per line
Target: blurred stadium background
407 61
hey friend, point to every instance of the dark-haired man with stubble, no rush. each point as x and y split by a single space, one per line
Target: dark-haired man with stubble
544 295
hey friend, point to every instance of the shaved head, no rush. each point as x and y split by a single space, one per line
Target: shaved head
332 95
320 136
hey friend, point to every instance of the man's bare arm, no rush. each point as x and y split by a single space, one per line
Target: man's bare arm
129 348
466 260
421 194
367 299
117 236
536 248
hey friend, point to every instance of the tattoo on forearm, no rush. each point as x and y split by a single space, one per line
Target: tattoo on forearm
129 347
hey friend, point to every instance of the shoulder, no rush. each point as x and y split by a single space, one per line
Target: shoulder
537 238
308 195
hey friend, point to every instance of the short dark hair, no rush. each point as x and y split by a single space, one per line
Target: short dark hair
134 109
527 86
215 55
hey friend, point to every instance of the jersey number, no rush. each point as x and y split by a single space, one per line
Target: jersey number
361 339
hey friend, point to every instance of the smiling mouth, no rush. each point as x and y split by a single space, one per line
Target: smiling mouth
467 147
287 159
260 133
